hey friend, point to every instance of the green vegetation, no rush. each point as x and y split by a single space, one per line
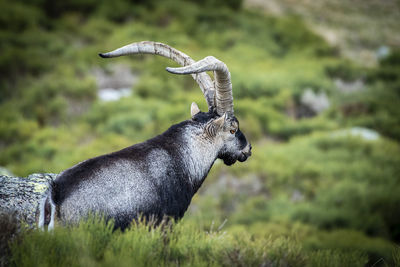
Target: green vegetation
312 194
94 243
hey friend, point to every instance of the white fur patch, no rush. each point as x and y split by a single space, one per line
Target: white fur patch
53 214
42 213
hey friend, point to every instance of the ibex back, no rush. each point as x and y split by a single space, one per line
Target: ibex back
158 177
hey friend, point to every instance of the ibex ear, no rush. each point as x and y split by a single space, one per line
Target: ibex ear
194 109
220 121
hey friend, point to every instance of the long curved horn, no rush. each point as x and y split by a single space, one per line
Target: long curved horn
223 84
155 48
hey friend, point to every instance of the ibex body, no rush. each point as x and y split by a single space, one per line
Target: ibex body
158 177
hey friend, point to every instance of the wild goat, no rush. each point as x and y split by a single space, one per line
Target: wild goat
158 177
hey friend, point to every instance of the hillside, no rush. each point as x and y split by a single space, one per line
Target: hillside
362 30
323 185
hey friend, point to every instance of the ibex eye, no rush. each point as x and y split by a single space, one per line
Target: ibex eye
233 131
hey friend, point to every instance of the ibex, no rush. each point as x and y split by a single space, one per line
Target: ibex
158 177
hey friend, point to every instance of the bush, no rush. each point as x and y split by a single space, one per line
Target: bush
94 242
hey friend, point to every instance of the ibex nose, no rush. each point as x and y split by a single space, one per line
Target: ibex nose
250 149
247 150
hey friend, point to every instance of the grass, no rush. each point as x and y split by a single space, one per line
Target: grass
94 243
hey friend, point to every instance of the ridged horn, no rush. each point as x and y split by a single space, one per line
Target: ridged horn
155 48
223 85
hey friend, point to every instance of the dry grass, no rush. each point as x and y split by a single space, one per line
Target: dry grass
358 28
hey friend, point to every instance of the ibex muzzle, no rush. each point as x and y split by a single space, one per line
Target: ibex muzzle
158 177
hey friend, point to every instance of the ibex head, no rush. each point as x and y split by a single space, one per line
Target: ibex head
218 125
224 132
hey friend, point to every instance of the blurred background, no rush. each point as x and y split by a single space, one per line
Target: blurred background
316 88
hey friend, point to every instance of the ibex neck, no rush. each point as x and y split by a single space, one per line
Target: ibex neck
199 154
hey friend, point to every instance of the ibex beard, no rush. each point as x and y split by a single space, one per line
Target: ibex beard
156 178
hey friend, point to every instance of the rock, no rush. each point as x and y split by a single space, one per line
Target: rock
363 133
383 52
347 87
115 82
317 102
21 196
